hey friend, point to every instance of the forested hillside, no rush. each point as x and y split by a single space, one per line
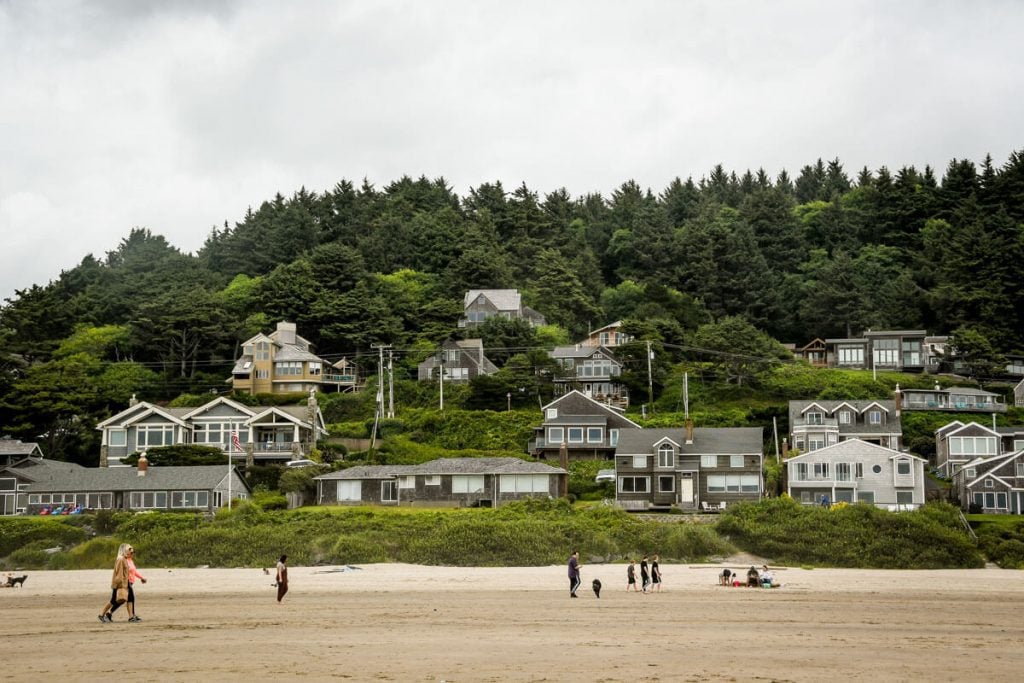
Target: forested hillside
694 267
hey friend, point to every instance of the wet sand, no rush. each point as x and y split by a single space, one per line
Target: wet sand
394 622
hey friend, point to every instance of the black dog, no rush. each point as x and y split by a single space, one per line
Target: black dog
18 581
597 587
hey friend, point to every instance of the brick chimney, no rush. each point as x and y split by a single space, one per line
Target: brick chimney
785 448
689 432
143 464
563 462
899 399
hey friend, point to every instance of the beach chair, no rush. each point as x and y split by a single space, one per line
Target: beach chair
705 507
721 506
44 511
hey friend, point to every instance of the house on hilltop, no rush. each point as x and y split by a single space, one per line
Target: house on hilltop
283 362
959 443
461 361
481 304
266 434
951 399
586 428
592 370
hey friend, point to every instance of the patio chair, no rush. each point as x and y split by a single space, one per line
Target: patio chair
705 507
721 506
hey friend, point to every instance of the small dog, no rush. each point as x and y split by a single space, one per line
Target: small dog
597 587
18 581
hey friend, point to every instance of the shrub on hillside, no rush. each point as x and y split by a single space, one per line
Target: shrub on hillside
1003 542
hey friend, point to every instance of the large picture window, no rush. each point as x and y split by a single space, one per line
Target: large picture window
147 500
733 483
972 445
633 484
524 483
468 483
350 490
155 435
190 499
117 437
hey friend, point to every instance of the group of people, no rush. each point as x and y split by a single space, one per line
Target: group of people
122 585
650 576
755 579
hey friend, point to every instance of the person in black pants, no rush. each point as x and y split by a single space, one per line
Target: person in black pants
574 573
645 576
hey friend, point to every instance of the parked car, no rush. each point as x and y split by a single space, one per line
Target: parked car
605 475
301 463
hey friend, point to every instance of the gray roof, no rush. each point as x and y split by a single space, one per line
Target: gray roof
503 299
291 352
17 447
446 466
706 440
158 478
896 333
966 391
891 425
578 420
579 351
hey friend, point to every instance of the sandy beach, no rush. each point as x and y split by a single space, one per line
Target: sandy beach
394 622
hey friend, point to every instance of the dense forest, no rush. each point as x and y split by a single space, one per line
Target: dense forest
732 262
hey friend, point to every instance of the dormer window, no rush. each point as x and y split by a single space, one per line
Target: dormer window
875 417
666 455
844 417
903 467
814 418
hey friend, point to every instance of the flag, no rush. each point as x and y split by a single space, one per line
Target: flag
235 442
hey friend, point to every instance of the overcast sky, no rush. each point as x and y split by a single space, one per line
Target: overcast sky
177 116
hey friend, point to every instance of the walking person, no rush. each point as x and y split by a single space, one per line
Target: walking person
645 576
119 581
631 576
656 574
282 577
133 574
574 573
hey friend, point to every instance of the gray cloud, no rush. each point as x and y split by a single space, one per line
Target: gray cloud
177 116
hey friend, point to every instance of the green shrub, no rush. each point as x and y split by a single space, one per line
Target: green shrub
18 532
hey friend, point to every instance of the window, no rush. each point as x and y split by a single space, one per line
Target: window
735 461
556 434
613 437
859 470
904 497
468 483
633 484
815 441
844 417
798 444
875 417
155 435
1020 469
263 374
886 352
842 471
805 497
388 491
866 497
877 469
733 483
989 483
350 490
595 434
979 499
814 418
432 480
190 499
821 470
912 352
117 437
800 473
288 368
666 455
639 461
263 351
148 499
844 495
850 355
972 445
1018 444
552 413
903 467
575 434
407 482
524 483
970 472
666 484
709 461
314 368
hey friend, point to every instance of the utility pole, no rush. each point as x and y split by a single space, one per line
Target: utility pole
440 376
380 376
650 381
391 384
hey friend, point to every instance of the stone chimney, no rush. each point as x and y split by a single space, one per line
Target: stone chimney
286 333
898 395
689 432
563 462
143 464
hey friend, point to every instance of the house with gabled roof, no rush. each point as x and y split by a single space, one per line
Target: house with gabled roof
283 362
992 485
459 360
445 482
588 429
49 484
1018 394
959 443
855 471
688 468
821 423
481 304
814 352
609 336
265 434
13 450
592 370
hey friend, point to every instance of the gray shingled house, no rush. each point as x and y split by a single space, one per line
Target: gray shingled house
589 429
447 482
688 468
46 483
817 424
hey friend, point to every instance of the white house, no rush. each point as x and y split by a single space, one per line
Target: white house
857 471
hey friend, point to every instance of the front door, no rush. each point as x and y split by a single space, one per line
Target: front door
686 490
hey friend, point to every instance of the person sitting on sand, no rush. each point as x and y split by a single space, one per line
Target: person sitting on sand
767 580
753 578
